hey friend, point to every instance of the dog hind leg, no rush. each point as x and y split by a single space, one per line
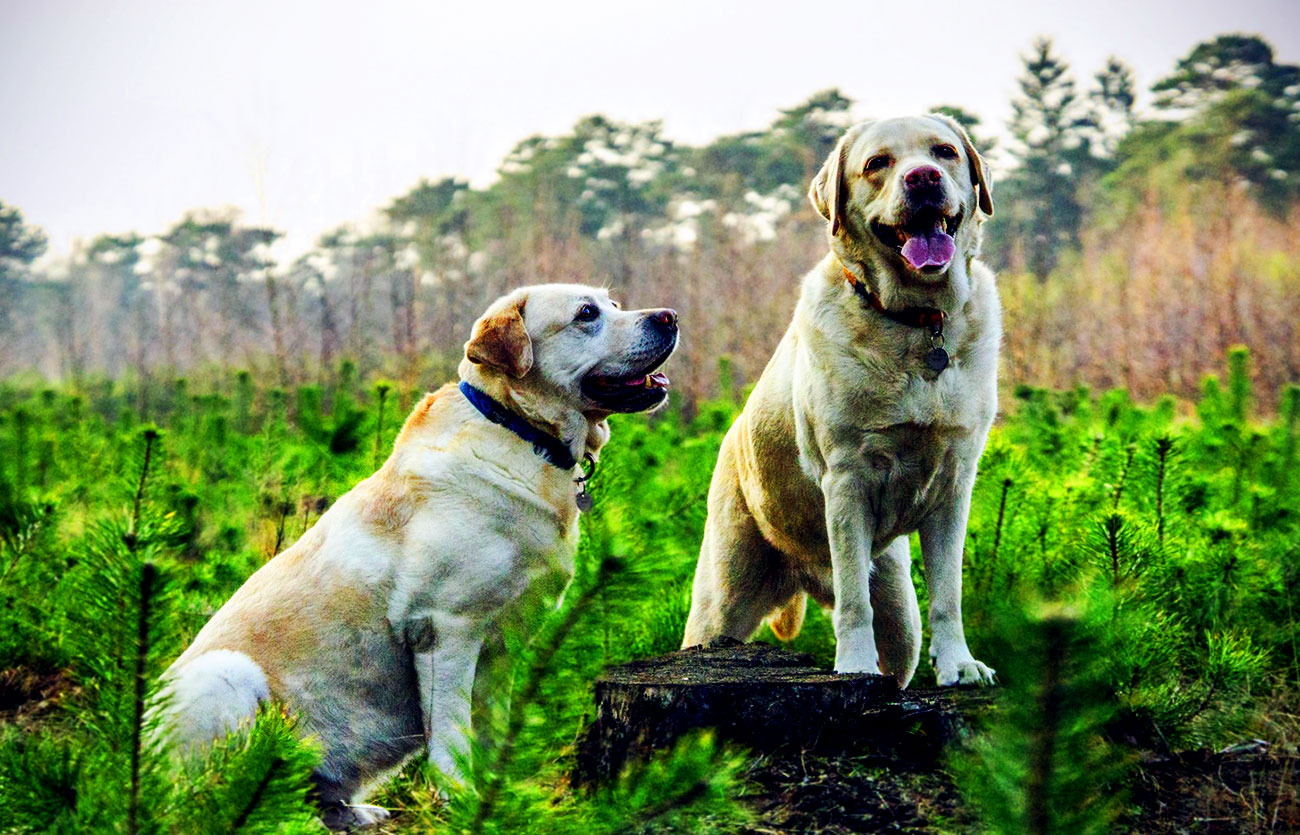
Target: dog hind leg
214 693
897 617
740 578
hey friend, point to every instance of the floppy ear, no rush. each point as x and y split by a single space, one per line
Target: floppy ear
828 188
501 341
978 173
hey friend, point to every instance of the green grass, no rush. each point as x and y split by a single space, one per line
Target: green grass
1174 538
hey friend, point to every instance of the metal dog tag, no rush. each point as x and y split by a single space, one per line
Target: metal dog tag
583 499
936 359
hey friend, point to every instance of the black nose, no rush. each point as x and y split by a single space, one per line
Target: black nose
923 176
664 320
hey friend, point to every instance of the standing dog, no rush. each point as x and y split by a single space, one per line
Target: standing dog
870 417
370 625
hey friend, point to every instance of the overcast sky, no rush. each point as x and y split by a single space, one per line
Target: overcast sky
119 116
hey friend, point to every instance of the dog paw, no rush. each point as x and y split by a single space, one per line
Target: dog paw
963 671
855 652
358 816
858 664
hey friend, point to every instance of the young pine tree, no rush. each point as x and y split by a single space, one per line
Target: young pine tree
1043 765
104 765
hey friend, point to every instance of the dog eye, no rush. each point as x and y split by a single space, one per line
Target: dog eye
945 151
879 163
587 313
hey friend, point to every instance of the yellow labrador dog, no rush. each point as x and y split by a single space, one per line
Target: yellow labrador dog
870 417
370 625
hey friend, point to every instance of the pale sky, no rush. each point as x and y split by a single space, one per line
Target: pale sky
119 116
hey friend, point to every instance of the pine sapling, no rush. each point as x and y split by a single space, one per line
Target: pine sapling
144 611
1043 766
273 770
285 507
22 432
244 397
1239 389
151 436
382 388
1124 549
1289 417
1210 407
997 528
255 779
1123 476
1163 447
537 669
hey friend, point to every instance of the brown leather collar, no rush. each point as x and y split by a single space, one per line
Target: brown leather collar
930 318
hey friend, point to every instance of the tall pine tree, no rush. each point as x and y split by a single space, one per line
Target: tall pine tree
20 245
1238 110
1050 128
1112 102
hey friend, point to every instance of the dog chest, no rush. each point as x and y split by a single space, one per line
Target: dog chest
910 469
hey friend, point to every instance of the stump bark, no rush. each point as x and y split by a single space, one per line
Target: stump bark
766 699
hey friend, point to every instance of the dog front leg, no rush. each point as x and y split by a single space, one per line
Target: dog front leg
943 536
445 672
849 531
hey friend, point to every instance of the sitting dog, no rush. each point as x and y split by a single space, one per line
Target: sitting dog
370 625
869 420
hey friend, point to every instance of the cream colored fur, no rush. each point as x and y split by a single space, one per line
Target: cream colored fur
370 625
849 443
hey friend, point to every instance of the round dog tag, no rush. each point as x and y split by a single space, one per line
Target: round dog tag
937 359
583 501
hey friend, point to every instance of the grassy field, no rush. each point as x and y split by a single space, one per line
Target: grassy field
1148 554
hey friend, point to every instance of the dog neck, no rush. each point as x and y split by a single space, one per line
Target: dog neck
912 316
947 291
583 434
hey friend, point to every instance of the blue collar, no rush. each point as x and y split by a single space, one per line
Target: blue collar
555 451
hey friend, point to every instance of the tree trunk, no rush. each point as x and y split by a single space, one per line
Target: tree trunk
277 329
764 698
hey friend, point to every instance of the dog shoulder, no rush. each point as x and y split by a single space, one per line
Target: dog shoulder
436 412
984 304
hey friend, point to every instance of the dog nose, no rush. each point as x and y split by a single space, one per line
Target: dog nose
923 176
665 320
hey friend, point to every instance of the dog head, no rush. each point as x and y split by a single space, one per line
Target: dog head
905 198
557 348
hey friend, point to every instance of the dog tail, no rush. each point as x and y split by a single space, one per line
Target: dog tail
788 620
210 696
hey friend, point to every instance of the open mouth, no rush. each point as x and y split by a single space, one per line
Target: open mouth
924 240
633 392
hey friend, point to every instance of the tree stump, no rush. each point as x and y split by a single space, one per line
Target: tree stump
766 699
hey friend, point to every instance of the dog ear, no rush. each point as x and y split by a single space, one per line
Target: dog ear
501 341
828 188
978 171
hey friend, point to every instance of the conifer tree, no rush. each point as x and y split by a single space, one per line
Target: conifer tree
20 245
1238 113
110 771
1049 126
1044 765
1112 103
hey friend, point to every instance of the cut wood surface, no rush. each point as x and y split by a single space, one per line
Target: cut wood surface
764 698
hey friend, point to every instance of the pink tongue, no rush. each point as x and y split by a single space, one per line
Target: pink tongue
929 249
